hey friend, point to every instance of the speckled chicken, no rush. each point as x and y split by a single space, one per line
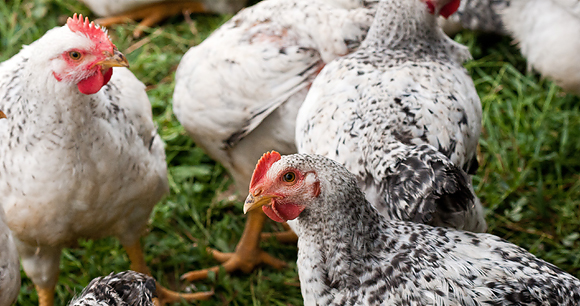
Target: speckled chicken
350 254
238 92
153 11
479 15
545 30
81 154
9 263
126 288
403 115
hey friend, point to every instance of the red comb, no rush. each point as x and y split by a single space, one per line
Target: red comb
76 24
263 165
450 8
430 7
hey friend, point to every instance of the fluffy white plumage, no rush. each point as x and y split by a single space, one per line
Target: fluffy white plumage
402 114
350 254
9 263
546 32
76 165
238 92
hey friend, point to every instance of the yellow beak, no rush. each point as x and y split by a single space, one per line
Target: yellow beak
2 115
253 202
115 60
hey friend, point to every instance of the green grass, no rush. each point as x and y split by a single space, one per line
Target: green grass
528 178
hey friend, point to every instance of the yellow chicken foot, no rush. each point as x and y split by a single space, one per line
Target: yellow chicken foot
45 296
152 14
287 236
164 295
247 255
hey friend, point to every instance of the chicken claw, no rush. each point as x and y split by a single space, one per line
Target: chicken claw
247 254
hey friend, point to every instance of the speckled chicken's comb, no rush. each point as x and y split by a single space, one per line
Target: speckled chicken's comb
263 165
92 31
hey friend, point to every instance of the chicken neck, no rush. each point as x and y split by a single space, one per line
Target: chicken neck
403 25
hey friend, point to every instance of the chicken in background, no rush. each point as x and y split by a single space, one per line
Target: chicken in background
386 262
151 12
127 288
403 115
238 92
546 32
476 15
81 154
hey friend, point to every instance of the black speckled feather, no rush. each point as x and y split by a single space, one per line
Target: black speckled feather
126 288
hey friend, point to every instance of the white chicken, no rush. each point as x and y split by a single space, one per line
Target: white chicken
548 34
403 115
81 154
545 30
238 92
9 264
350 254
153 11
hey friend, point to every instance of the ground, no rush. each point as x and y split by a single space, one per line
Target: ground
527 180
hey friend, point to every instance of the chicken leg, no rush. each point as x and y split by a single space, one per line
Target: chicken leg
153 13
45 296
164 295
247 255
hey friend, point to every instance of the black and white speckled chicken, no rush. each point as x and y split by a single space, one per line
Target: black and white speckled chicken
545 30
238 92
128 288
403 115
349 254
81 155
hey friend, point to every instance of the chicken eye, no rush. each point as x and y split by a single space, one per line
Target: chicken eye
289 177
75 55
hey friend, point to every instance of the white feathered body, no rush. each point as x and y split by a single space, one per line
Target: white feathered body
237 93
547 32
76 166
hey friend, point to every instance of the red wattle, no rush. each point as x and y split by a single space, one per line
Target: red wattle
108 76
95 82
282 212
271 214
450 8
